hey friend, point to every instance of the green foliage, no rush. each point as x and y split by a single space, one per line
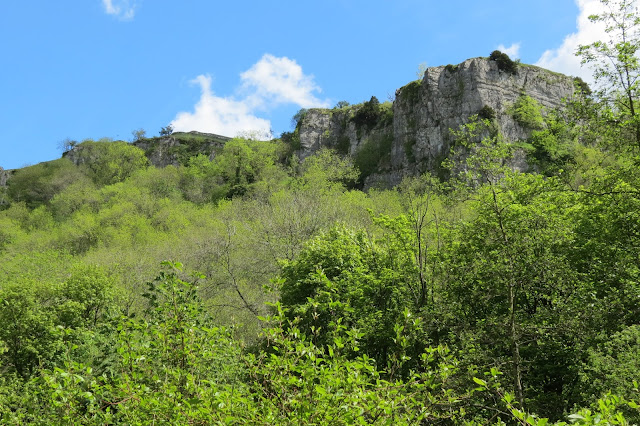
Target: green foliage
326 169
616 66
371 154
527 112
367 115
167 130
411 92
28 333
613 366
110 162
242 164
138 134
392 316
343 146
552 148
487 113
504 62
582 86
292 140
37 185
297 118
343 277
451 68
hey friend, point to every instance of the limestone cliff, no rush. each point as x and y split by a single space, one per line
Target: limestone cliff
413 134
177 148
174 149
4 176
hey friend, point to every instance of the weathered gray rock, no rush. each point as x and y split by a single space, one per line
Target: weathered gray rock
4 176
425 111
178 147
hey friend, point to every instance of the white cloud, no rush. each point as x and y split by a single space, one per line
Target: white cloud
268 83
563 59
513 51
124 10
280 80
224 116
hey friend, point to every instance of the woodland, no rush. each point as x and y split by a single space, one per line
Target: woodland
255 288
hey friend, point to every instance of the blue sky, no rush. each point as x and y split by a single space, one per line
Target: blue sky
102 68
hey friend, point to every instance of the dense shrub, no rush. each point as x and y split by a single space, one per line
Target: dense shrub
367 115
487 113
582 86
504 62
451 68
528 112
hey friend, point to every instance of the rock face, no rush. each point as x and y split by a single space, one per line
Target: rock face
177 148
174 149
4 177
416 131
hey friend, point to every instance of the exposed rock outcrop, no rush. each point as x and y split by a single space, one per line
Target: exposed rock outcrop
4 176
177 148
415 130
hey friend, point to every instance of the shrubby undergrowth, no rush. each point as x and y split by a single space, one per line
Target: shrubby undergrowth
497 296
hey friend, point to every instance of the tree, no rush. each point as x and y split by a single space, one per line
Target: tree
110 162
166 131
504 62
422 69
139 134
298 117
615 63
67 145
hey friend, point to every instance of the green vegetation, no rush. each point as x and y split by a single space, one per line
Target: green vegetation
451 68
373 152
487 113
368 114
411 92
527 112
496 296
582 86
505 63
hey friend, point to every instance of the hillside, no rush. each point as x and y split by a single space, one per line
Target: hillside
465 254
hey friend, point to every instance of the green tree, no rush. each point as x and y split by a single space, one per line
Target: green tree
167 130
110 162
138 134
37 185
616 66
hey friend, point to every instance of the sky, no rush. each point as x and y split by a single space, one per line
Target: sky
78 69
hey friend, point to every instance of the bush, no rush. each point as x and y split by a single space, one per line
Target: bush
504 62
451 68
166 131
582 86
369 156
487 113
298 117
411 92
367 115
528 113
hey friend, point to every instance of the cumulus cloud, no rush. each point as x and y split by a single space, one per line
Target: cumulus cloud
280 80
268 83
563 59
513 51
124 10
214 114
